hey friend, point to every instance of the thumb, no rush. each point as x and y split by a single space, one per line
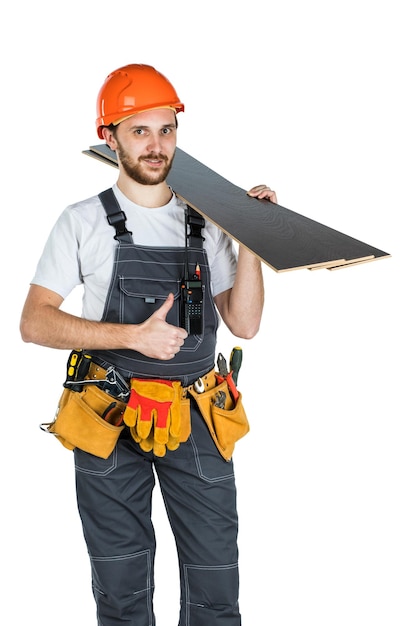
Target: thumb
163 310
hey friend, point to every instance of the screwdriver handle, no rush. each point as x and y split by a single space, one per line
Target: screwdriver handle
235 362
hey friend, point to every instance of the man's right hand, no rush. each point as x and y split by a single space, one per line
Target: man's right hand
158 339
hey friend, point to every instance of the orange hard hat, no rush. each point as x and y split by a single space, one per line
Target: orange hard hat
132 89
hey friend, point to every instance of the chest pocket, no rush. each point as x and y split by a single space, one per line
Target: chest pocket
135 298
140 297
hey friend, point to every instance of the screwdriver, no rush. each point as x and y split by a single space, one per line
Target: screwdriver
235 362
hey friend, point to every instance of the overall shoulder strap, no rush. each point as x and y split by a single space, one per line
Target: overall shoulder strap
196 223
115 216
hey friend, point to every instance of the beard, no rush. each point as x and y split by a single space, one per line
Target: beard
140 172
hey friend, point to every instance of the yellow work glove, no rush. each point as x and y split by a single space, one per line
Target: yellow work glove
153 414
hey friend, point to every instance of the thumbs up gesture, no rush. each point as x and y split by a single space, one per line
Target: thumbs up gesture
157 339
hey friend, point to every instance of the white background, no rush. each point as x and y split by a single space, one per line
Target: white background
316 99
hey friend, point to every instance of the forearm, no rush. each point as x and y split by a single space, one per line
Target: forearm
54 328
242 309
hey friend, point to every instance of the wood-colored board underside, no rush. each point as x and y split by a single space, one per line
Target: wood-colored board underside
281 238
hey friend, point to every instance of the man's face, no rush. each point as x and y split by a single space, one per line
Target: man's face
145 144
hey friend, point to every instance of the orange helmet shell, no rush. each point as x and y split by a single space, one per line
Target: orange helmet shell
132 89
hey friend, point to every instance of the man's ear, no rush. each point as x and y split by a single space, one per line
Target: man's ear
109 138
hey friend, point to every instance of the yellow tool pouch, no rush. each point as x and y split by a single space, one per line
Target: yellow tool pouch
226 420
89 420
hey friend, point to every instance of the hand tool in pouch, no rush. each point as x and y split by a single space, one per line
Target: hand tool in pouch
224 374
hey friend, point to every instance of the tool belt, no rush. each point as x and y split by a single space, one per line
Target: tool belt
97 404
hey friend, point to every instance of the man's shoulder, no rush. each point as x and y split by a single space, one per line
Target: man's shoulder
85 215
91 203
87 210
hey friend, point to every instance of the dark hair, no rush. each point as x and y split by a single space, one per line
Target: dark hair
112 128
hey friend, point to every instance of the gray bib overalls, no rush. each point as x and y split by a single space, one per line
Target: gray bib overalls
198 488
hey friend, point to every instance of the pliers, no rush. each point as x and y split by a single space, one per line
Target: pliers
224 374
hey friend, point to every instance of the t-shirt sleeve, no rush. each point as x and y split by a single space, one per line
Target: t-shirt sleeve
223 264
58 268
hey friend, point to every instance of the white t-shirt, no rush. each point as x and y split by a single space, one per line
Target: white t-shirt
80 248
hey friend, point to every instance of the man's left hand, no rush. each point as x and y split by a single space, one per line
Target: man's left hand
263 192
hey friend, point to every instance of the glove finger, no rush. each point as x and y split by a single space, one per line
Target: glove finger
162 422
146 413
134 434
146 444
159 449
173 443
130 414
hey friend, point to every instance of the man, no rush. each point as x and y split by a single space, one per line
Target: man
134 322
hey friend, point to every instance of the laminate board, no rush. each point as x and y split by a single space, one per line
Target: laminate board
281 238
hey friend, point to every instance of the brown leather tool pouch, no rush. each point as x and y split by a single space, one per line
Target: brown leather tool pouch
89 420
226 420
